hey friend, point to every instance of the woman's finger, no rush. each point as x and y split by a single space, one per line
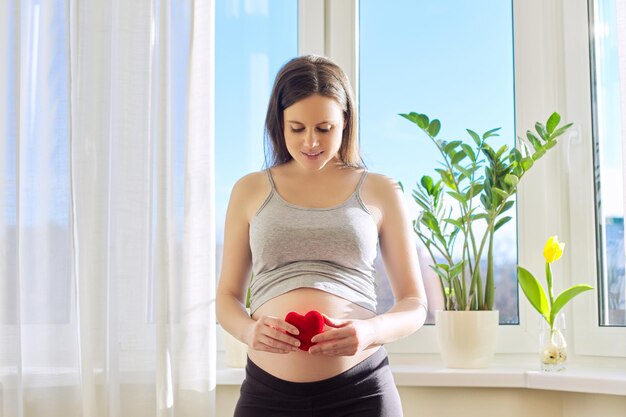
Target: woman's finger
281 324
333 334
336 323
268 344
277 335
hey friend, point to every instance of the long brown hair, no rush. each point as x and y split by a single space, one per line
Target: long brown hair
298 79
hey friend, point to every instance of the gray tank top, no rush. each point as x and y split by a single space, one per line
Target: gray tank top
329 249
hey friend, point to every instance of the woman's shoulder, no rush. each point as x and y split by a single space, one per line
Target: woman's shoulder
249 192
381 183
382 192
251 181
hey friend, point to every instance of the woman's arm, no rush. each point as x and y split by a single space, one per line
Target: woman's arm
397 245
268 333
399 253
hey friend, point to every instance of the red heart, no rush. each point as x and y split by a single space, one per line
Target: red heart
309 325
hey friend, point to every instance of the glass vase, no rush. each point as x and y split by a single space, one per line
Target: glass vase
553 347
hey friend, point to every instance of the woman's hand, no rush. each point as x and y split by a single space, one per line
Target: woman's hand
269 334
342 337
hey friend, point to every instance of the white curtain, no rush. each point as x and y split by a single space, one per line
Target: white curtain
107 247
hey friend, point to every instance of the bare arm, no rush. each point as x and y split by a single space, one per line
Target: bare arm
399 252
268 333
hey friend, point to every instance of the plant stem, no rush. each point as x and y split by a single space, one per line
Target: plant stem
490 283
432 256
550 292
464 214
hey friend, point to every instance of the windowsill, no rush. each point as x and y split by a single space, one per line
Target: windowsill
584 375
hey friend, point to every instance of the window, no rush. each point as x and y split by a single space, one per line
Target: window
551 73
253 40
590 88
437 58
608 46
35 169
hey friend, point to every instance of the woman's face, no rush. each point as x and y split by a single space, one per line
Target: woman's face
313 131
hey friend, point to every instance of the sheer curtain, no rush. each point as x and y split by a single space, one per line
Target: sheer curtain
107 245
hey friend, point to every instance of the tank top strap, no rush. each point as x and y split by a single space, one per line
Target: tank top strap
270 179
361 181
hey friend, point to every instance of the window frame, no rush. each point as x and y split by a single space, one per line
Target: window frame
551 65
589 337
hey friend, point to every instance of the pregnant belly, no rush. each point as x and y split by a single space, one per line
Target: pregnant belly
301 366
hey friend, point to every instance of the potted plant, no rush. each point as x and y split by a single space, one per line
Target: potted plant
553 347
463 206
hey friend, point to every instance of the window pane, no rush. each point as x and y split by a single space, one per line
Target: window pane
440 59
608 46
253 40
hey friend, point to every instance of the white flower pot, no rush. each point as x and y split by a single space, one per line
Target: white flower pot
467 339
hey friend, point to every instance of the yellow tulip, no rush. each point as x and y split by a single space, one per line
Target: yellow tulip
553 249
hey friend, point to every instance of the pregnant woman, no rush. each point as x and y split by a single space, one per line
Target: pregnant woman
307 228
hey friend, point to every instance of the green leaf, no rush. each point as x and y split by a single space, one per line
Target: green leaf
422 203
439 272
565 297
533 139
501 222
407 116
485 202
524 147
469 151
434 127
456 196
466 172
534 292
474 136
401 186
455 222
480 216
429 220
446 177
560 130
491 132
422 121
456 269
511 180
449 147
541 152
553 122
507 206
458 157
488 176
541 129
491 156
427 183
474 191
445 267
502 150
503 194
551 144
526 163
